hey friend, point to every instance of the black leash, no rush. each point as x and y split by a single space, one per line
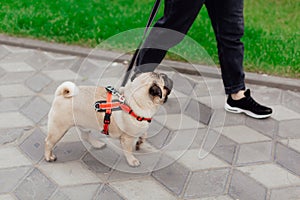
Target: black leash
150 20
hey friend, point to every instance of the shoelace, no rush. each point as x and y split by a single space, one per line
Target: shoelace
253 103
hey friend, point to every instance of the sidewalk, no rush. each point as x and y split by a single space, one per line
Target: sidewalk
252 159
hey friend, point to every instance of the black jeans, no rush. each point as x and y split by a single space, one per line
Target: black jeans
228 23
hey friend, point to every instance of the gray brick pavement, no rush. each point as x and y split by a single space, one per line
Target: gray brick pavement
246 158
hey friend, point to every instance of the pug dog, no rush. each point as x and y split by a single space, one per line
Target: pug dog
73 106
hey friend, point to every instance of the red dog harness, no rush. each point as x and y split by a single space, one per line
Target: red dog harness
111 105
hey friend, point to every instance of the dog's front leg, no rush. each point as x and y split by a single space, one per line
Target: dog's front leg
127 146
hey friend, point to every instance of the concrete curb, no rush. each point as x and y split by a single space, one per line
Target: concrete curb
213 72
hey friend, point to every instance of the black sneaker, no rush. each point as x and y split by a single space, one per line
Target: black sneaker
248 106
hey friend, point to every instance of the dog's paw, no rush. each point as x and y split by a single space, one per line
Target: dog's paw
133 162
51 158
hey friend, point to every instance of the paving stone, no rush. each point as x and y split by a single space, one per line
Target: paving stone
69 151
17 56
221 118
17 67
209 87
69 173
225 149
13 104
267 96
80 191
38 82
223 197
36 109
51 88
289 129
190 159
16 49
90 69
242 134
172 177
292 143
111 71
48 97
256 152
11 177
199 111
244 187
3 51
283 113
38 60
15 77
148 160
16 90
10 135
214 102
35 186
271 175
34 146
178 122
61 75
106 156
157 134
72 135
13 120
267 126
146 189
291 100
58 195
177 95
2 72
183 84
288 158
60 63
184 139
59 56
6 197
207 183
106 193
173 106
12 157
291 193
118 175
95 165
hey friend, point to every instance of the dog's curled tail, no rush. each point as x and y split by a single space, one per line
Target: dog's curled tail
67 89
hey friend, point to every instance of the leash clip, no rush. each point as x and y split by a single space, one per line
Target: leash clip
115 92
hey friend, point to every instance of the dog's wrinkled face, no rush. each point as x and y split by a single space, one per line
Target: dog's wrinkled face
157 85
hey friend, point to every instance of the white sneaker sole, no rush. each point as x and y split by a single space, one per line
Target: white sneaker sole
247 112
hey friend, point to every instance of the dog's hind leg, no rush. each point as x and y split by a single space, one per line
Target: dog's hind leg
55 133
127 146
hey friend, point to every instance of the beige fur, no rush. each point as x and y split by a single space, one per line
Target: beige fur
73 106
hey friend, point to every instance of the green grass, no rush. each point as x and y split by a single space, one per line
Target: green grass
272 28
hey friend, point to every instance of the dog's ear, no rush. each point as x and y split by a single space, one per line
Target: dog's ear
155 90
168 83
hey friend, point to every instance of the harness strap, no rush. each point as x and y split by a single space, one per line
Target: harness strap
128 110
107 115
111 105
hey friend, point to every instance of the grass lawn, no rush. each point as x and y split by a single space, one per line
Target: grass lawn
272 28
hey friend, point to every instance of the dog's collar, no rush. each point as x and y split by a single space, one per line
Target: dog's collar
111 105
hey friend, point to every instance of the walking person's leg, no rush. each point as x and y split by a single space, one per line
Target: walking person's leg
228 24
168 31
